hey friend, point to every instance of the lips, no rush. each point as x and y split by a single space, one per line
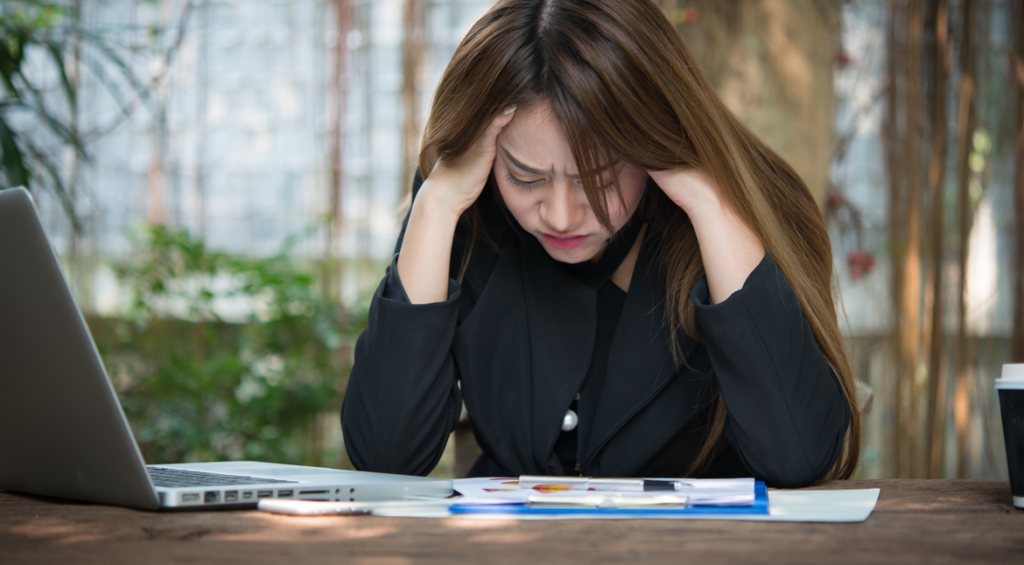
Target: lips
564 242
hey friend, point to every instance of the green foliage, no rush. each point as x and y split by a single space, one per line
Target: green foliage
196 387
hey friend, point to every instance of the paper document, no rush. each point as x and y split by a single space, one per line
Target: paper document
784 506
609 499
717 492
506 490
490 490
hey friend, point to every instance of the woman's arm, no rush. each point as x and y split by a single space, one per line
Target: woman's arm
787 414
451 188
403 398
728 247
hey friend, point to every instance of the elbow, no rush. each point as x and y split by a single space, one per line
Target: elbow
807 466
390 446
368 453
795 476
798 462
794 471
358 445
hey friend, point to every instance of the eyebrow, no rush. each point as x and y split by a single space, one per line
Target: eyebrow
533 171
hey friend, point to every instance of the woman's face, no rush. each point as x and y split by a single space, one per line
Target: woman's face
541 186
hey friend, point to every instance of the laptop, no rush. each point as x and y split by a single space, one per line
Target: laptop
63 432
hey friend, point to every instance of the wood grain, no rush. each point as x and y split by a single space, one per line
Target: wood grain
938 521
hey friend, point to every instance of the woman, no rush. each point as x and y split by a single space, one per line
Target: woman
614 275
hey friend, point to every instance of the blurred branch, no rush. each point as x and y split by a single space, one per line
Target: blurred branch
32 112
179 36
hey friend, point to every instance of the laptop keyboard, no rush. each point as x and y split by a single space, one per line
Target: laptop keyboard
164 477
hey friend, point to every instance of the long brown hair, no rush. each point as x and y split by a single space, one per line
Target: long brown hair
623 85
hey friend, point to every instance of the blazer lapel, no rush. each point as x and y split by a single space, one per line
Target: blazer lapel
562 320
640 363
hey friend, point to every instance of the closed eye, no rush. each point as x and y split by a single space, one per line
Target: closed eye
521 183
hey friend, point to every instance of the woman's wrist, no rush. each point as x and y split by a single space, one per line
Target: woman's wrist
437 205
730 249
449 192
706 211
424 258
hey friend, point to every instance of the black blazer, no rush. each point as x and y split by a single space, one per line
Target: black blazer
514 341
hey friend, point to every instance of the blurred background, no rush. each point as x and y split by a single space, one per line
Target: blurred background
224 180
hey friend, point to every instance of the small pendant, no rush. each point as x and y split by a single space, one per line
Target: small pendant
569 421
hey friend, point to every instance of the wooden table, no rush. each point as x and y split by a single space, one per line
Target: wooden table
940 521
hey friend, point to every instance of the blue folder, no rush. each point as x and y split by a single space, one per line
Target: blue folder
760 507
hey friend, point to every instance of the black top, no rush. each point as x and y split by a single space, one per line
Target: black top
610 299
517 337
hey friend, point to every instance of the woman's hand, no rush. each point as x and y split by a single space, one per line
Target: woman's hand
449 190
729 248
457 183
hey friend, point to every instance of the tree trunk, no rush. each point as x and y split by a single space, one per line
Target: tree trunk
937 182
910 303
895 162
336 147
202 93
771 62
413 49
965 127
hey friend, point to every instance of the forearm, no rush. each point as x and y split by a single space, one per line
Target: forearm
402 399
787 413
729 249
425 256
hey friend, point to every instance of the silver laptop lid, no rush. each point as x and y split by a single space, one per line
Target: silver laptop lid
62 430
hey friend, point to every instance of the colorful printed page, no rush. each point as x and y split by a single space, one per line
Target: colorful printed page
506 490
490 490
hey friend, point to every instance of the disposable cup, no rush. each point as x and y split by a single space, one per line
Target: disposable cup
1011 406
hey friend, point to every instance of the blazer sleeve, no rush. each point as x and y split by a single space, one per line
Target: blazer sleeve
787 413
403 398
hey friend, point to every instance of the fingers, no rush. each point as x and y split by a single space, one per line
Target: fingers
490 135
461 179
481 154
503 118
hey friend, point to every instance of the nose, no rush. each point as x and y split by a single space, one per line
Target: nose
564 207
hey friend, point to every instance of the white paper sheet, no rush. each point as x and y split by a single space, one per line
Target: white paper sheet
717 492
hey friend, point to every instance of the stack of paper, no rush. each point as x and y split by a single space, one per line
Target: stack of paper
573 495
486 497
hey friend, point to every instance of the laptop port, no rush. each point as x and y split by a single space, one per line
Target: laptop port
246 495
211 496
190 497
264 494
313 495
231 496
284 493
